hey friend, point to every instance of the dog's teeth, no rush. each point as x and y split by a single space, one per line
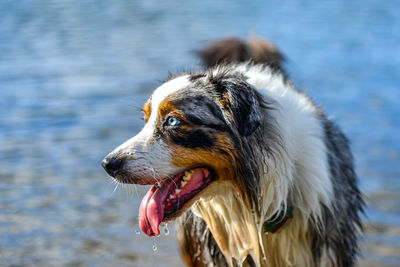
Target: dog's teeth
187 177
177 191
171 196
183 183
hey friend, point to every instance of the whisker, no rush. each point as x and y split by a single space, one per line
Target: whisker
115 188
137 194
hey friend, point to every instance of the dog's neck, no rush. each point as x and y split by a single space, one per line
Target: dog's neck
231 222
239 233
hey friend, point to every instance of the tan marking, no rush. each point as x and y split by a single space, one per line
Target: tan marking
165 107
224 100
147 110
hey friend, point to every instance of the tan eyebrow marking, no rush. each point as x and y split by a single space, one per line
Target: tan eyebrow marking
165 107
147 110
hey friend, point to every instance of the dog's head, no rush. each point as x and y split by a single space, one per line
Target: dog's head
193 129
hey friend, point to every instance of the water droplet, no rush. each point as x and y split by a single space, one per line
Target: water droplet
154 244
264 258
158 184
166 230
138 232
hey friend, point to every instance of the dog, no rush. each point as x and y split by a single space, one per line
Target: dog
251 169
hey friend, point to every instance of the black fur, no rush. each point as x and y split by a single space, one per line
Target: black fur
241 101
200 110
339 232
197 138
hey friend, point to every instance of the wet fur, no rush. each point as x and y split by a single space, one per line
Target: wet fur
269 146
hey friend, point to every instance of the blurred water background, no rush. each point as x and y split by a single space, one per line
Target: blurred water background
75 73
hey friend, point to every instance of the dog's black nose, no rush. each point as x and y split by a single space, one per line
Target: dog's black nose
112 165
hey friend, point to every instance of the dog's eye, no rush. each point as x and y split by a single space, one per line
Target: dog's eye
173 121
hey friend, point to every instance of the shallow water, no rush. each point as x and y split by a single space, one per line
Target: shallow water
74 74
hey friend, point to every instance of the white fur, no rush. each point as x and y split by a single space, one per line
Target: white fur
303 136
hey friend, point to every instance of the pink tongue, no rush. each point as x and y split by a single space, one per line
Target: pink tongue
151 210
143 222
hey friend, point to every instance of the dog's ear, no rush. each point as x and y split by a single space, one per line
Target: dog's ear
240 99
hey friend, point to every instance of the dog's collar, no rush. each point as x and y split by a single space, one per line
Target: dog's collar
273 226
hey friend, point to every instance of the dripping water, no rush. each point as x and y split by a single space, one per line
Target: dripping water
166 230
154 244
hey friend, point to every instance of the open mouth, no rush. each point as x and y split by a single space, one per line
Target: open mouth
165 200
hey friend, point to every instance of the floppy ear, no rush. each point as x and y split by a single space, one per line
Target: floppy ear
241 100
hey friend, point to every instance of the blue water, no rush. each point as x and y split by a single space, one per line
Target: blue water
74 75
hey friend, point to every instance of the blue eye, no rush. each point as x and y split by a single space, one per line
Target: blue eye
173 121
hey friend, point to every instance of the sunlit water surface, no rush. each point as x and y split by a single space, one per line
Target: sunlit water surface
74 75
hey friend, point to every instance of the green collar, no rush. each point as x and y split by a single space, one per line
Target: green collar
273 226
